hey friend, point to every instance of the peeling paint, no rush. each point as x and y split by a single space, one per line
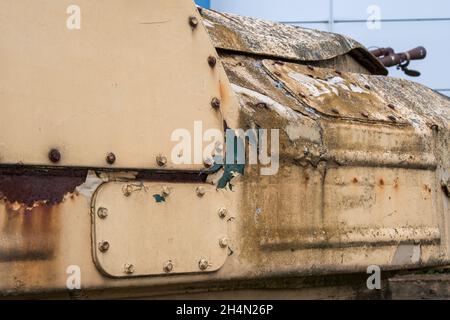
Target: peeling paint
33 188
159 198
283 111
407 254
89 186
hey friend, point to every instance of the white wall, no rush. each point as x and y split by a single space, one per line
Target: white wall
404 24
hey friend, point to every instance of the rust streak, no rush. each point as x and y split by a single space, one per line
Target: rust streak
30 188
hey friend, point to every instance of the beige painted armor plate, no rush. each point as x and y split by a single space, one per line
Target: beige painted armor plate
87 92
351 191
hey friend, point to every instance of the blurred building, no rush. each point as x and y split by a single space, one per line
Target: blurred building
400 24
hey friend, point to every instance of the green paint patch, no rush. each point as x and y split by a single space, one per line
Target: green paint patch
159 198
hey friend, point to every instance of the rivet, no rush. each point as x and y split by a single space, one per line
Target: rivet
223 242
335 111
168 266
261 105
215 103
161 160
102 213
212 61
54 155
203 264
128 268
367 87
200 191
446 187
223 212
365 114
434 127
110 158
165 191
103 246
390 105
392 118
193 22
310 67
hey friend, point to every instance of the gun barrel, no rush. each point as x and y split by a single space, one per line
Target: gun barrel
389 58
382 52
418 53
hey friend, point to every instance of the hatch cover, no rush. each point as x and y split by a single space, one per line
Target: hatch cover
143 229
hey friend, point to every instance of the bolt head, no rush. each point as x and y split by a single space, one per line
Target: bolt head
223 243
102 213
110 158
223 212
215 103
54 155
161 160
128 268
193 22
168 266
212 61
203 264
200 191
391 106
335 111
392 118
434 127
103 246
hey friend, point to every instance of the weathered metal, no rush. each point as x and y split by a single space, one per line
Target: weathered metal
147 228
97 75
255 36
354 188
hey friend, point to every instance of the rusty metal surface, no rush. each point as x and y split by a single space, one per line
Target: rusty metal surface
337 94
159 228
70 89
353 190
346 183
256 36
30 188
